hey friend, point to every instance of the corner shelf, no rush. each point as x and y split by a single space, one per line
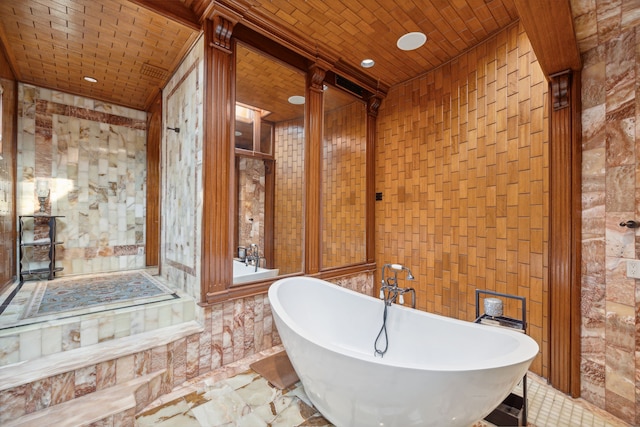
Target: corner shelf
27 248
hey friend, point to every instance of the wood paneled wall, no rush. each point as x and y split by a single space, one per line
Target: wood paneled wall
289 196
343 187
7 174
462 162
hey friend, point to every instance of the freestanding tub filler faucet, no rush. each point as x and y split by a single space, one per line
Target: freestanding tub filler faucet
253 255
390 292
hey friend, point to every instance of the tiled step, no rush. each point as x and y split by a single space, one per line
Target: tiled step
29 342
60 363
159 358
114 406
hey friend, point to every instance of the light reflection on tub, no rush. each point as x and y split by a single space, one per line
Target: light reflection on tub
438 371
247 273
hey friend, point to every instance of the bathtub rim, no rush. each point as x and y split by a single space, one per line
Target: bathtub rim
522 354
262 274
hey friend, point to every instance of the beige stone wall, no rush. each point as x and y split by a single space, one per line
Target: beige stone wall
93 156
609 37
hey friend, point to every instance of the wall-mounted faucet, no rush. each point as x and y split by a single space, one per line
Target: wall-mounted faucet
630 224
390 292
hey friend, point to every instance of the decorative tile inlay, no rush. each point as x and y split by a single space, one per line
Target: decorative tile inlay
72 294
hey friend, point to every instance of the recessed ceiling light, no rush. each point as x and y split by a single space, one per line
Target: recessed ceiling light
296 99
90 79
367 63
411 41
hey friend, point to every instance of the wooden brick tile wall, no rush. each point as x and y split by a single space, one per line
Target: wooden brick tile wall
462 162
343 186
289 215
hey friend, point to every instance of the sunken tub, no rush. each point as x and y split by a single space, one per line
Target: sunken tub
437 371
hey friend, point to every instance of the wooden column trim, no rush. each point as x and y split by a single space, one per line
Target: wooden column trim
373 104
313 167
565 232
269 210
154 142
217 160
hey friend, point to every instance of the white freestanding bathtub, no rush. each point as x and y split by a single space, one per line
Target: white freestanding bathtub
437 371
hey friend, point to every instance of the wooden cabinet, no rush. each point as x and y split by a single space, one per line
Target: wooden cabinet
38 243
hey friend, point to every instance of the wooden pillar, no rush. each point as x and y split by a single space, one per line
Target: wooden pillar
154 141
217 159
373 104
565 232
313 167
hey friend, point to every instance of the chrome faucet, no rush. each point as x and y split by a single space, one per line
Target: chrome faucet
255 255
390 292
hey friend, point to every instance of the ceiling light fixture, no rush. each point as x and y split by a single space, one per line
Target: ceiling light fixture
90 79
411 41
367 63
296 100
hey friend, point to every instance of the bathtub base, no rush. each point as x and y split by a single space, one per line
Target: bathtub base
511 412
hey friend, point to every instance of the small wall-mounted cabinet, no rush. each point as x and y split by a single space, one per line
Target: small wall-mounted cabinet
38 246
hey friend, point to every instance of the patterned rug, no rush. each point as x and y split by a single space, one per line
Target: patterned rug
62 295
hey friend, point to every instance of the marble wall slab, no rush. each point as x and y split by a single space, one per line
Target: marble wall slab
251 202
93 157
609 37
181 185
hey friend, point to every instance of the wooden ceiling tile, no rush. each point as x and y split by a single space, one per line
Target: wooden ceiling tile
133 46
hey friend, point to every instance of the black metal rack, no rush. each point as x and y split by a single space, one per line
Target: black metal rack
513 410
50 244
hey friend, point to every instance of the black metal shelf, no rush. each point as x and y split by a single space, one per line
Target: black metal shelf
504 322
51 243
40 270
30 244
513 410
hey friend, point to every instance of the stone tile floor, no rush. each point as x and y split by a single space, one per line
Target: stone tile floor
237 396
